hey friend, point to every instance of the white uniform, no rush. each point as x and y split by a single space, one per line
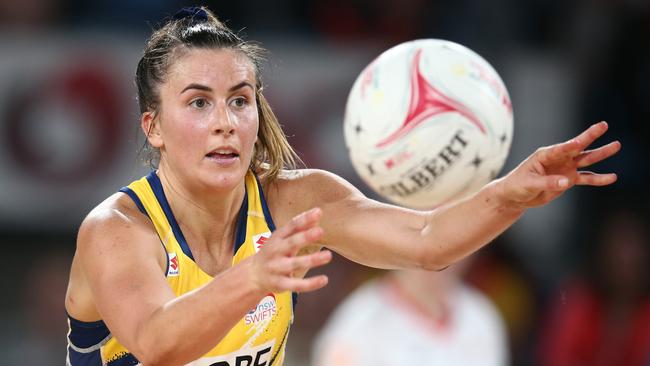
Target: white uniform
378 326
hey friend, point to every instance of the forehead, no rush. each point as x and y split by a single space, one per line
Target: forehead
217 68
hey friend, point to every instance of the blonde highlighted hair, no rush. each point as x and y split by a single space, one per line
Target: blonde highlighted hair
200 28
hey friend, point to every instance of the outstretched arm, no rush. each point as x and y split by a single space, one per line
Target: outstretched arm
387 236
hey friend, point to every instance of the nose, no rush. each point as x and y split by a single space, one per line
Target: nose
224 122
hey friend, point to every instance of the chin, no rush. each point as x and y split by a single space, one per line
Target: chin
223 179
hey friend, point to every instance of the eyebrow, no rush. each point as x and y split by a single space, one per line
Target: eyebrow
241 85
208 89
196 86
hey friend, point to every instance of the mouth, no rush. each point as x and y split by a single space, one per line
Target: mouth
223 155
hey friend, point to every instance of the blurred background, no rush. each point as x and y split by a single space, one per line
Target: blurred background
570 280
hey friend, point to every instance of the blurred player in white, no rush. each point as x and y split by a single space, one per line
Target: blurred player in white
414 317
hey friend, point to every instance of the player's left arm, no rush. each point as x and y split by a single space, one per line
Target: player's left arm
386 236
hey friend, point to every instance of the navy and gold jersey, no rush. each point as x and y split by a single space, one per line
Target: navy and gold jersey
258 339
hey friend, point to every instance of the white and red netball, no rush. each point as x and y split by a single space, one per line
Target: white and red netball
428 121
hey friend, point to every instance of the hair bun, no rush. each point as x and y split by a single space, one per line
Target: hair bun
196 13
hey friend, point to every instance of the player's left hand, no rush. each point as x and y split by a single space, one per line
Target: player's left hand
551 170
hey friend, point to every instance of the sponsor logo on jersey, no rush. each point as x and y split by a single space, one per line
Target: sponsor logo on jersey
260 239
263 311
173 264
254 356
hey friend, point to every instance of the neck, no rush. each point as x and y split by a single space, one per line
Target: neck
207 218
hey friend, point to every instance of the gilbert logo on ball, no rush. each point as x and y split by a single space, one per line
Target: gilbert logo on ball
428 121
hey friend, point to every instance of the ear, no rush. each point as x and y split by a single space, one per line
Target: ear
151 129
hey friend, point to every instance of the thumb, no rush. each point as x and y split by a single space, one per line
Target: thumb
549 183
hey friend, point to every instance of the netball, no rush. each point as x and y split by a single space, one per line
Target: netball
428 121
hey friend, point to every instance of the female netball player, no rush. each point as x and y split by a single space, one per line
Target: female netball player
180 267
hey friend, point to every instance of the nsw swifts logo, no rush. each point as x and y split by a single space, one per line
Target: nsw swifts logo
173 265
263 311
260 240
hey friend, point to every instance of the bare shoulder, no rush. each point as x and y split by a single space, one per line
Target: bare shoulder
116 221
295 191
114 231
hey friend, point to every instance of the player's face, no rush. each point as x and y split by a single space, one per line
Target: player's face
208 119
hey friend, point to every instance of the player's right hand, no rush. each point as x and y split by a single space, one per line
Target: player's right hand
273 267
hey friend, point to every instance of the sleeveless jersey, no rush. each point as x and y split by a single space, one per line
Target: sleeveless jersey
257 340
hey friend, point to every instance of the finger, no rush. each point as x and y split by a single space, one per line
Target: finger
302 284
588 136
301 239
593 179
542 183
591 157
574 146
300 222
558 152
306 262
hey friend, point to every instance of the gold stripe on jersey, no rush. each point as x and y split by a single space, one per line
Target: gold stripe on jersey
259 338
